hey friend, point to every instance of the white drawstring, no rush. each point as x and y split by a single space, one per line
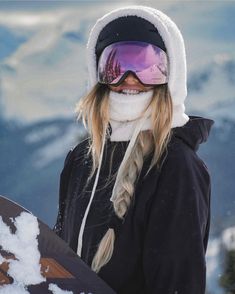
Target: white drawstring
120 170
79 248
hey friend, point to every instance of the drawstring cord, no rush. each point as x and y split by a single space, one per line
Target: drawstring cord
79 248
120 171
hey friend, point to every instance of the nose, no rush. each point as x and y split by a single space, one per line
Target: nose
131 79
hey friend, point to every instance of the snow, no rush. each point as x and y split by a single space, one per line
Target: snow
44 79
13 289
224 131
214 266
24 245
55 149
228 238
212 98
25 269
215 258
56 290
2 259
42 134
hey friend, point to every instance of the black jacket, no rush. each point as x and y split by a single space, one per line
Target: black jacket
160 248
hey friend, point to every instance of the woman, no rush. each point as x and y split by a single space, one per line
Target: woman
134 196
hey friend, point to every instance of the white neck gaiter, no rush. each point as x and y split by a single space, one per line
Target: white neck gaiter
125 111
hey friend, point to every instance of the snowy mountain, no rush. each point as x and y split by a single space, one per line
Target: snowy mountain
217 249
43 69
212 95
218 154
212 88
31 160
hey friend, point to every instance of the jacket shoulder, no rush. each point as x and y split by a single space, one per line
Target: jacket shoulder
78 151
182 156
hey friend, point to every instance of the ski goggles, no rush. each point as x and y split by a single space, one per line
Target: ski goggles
146 61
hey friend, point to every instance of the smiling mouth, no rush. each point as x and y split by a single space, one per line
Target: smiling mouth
130 91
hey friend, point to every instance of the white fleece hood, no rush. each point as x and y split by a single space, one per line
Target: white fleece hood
174 44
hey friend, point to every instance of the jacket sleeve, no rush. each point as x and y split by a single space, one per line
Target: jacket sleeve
64 176
177 227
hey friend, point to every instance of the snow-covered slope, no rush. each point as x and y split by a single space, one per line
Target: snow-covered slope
216 251
212 88
214 267
31 161
43 72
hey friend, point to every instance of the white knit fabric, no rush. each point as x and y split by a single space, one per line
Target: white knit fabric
125 111
122 131
173 41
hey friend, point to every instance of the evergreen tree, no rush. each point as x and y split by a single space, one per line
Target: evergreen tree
227 280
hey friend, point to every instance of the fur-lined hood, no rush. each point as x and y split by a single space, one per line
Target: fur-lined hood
175 50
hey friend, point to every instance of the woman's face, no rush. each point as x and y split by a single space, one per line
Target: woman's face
130 85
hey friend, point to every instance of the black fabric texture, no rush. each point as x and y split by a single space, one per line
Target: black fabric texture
160 246
128 28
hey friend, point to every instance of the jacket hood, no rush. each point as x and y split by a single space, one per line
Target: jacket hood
195 132
174 44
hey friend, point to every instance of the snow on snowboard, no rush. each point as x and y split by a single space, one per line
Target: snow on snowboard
33 259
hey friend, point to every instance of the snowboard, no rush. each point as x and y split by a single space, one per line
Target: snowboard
59 263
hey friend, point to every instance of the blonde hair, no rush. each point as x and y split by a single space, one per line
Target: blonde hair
93 109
